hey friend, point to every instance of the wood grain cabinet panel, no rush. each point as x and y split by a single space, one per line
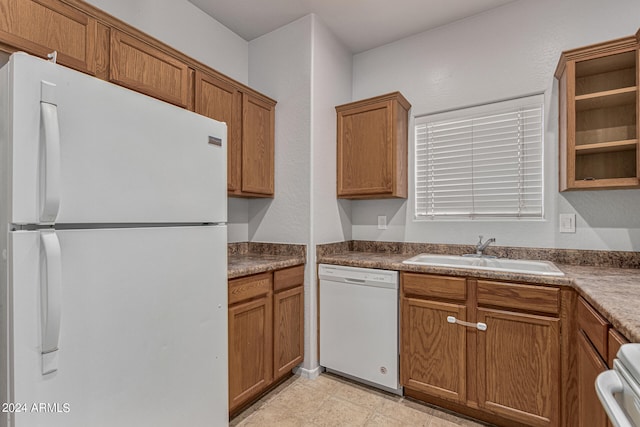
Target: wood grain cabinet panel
288 330
222 101
250 347
372 148
39 27
433 350
590 365
288 320
519 366
146 69
258 124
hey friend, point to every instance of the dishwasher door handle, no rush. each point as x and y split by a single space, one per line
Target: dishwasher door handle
479 326
357 281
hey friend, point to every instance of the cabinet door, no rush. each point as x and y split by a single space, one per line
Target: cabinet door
518 366
288 330
250 349
258 119
143 68
433 355
590 364
42 26
365 156
221 101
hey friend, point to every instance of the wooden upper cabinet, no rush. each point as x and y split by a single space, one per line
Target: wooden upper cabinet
146 69
250 139
222 101
372 148
39 27
598 94
258 126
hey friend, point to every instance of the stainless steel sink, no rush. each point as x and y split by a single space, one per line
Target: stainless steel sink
544 268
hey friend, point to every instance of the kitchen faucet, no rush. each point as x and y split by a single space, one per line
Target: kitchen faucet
480 247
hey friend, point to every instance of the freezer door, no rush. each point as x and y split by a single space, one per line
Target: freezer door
84 150
142 332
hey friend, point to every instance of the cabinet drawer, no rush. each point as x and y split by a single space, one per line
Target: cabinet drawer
454 288
523 297
594 326
249 287
288 278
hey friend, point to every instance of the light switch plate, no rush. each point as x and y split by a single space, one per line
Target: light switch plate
567 223
382 222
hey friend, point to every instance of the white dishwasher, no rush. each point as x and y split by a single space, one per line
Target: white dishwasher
359 324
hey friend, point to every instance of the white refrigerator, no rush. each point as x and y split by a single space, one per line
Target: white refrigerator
113 290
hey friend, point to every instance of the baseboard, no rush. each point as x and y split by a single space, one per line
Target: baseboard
311 374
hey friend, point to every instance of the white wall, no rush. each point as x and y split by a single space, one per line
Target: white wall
506 52
331 86
186 28
280 67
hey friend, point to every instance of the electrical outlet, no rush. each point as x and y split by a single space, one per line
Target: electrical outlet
567 223
382 222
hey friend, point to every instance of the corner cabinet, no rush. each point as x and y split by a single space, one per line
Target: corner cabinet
491 349
598 94
250 119
372 148
266 332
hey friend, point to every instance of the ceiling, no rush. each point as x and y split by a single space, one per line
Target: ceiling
360 24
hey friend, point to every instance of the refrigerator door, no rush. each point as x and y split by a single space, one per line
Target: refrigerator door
134 323
86 151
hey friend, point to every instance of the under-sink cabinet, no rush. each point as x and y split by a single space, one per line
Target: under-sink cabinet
266 332
486 348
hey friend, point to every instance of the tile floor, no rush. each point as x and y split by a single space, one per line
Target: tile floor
333 401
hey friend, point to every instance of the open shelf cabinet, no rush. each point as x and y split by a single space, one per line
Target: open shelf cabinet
598 88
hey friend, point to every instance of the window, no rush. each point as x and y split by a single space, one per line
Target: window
481 162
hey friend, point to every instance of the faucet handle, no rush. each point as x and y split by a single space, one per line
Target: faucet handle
480 239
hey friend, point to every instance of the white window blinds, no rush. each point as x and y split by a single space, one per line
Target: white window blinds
481 162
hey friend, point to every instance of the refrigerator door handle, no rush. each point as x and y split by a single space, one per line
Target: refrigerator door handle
49 156
50 299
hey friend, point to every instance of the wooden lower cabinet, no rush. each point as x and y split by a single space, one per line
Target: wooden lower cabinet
250 349
519 366
590 365
288 330
266 332
433 350
508 373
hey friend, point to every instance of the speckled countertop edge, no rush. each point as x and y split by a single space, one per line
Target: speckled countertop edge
247 258
615 292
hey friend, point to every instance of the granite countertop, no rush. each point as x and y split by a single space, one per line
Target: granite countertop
246 264
244 259
615 292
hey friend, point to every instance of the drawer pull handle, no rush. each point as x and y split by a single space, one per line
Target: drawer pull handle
479 326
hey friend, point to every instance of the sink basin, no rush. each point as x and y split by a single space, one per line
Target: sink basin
544 268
